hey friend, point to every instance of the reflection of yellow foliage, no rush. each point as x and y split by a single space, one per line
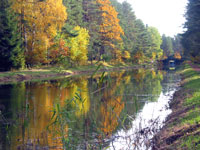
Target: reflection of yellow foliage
41 101
139 75
153 74
83 104
119 76
41 105
127 79
110 112
112 106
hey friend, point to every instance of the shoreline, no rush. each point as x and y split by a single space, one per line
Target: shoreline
47 74
182 127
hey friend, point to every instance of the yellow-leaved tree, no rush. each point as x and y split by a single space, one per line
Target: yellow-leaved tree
40 21
78 46
126 55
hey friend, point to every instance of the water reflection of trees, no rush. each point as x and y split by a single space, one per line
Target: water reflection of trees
31 106
111 106
90 114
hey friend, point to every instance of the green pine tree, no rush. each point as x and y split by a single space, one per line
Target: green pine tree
191 38
143 42
74 12
11 51
177 46
127 22
91 18
167 45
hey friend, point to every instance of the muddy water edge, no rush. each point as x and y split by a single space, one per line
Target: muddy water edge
182 128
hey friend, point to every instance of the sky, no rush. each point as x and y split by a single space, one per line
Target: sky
166 15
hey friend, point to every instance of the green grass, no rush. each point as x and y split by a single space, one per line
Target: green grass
194 100
192 116
192 83
192 79
191 142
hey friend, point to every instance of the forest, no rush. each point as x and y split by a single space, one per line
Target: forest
55 95
72 33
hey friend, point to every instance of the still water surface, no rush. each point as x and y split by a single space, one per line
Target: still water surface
117 110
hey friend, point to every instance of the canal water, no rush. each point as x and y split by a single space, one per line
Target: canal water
117 110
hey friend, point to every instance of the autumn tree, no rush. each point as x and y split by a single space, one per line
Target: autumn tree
78 46
59 51
42 20
110 30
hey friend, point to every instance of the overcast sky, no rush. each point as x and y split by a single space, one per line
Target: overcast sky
165 15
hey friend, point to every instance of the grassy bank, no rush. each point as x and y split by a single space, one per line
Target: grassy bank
182 129
55 72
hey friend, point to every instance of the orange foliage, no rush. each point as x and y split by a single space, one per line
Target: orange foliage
111 113
177 55
112 107
110 29
60 49
165 57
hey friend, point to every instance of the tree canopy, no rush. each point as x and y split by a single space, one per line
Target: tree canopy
11 50
72 32
191 38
